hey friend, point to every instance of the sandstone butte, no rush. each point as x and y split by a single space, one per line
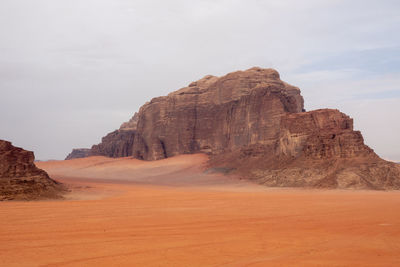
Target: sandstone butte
20 179
253 125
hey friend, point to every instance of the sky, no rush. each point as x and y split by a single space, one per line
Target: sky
72 71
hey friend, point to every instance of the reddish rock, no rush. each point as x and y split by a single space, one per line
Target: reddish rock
79 153
254 124
20 179
116 144
131 124
214 115
315 149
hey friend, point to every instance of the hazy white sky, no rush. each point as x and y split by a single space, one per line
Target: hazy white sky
73 70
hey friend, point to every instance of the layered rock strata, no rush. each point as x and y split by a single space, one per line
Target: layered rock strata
20 179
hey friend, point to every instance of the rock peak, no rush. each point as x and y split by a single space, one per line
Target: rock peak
270 73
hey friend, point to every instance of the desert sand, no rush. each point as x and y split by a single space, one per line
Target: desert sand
125 212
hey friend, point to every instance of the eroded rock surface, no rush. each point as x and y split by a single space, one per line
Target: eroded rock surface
131 124
79 153
315 149
253 124
20 179
216 115
116 144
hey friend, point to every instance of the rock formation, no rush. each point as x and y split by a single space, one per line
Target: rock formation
255 124
314 149
215 115
20 179
131 124
115 144
79 153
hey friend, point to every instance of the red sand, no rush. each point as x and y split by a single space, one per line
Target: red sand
132 213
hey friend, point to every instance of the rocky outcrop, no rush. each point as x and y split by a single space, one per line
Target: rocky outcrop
20 179
215 115
79 153
131 124
118 143
254 124
315 149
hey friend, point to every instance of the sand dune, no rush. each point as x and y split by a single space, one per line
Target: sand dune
188 170
171 213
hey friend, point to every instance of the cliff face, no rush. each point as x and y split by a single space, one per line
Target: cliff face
116 144
254 124
214 115
20 179
316 149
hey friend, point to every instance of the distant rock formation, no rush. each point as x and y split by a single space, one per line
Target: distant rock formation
79 153
115 144
254 124
20 179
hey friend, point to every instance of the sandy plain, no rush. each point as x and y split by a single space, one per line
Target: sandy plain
125 212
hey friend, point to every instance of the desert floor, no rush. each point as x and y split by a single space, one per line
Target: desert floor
124 212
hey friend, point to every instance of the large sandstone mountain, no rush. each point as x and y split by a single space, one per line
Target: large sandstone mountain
20 179
253 124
